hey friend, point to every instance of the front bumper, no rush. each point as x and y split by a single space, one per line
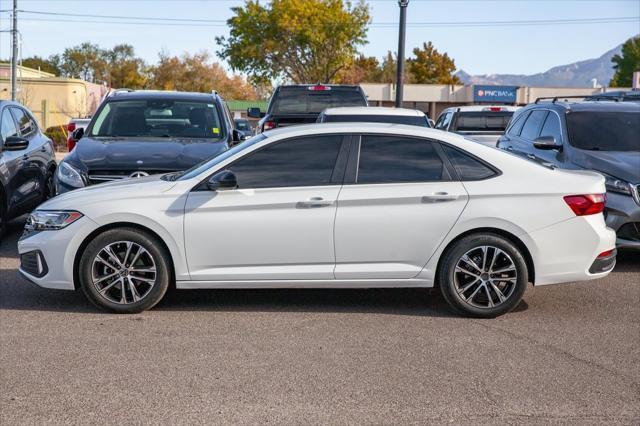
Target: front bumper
623 216
57 250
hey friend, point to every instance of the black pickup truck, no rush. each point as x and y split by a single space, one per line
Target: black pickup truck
303 103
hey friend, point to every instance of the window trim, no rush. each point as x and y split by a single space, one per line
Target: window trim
35 127
496 171
15 123
337 174
526 140
562 133
351 175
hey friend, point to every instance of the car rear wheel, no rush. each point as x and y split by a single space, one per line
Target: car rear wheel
483 276
124 271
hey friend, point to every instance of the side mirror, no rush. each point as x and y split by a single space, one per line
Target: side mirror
547 142
254 112
238 136
432 123
222 180
15 143
77 134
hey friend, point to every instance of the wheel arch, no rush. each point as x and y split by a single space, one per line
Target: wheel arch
114 225
502 233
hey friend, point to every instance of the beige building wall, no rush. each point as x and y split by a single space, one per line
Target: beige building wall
53 100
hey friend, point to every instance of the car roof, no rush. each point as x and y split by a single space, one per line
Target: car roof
590 106
161 94
405 112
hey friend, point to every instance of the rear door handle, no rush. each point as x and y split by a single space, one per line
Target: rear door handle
439 197
314 202
509 148
533 157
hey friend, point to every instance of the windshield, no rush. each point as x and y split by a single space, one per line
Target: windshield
301 100
604 131
158 118
211 162
395 119
483 121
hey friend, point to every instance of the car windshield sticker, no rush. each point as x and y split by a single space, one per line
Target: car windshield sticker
216 131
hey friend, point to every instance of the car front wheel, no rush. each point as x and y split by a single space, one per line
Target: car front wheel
124 270
483 275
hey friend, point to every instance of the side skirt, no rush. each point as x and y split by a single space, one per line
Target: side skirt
413 282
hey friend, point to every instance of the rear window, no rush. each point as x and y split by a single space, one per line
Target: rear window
604 131
301 100
483 121
394 119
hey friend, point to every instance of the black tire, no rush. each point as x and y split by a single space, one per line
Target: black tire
49 188
155 254
490 289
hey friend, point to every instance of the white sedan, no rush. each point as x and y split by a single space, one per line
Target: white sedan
350 205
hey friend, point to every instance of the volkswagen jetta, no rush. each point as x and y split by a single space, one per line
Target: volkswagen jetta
329 206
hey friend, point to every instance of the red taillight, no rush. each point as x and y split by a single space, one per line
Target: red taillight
495 109
583 205
606 253
268 125
319 87
71 143
71 127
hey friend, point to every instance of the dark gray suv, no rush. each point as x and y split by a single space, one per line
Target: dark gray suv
594 135
27 163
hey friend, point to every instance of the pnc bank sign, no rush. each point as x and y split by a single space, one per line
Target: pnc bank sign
503 94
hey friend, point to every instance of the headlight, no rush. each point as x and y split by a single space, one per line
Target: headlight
50 220
69 175
616 185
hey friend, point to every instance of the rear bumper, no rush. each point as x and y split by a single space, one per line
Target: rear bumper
568 251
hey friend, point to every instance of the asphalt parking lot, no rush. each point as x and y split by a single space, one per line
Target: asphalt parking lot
568 354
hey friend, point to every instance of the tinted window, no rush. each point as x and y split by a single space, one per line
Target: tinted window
302 100
25 123
551 127
531 128
483 121
516 127
388 159
443 121
395 119
9 127
158 118
604 131
297 162
467 167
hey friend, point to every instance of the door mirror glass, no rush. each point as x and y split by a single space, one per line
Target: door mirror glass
15 143
223 180
546 142
77 134
254 112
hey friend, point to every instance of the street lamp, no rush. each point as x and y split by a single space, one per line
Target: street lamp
401 36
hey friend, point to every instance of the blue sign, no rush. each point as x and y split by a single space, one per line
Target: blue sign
501 94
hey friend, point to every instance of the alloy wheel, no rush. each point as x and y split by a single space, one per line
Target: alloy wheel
485 277
123 272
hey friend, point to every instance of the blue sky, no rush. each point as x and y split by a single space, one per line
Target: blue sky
478 50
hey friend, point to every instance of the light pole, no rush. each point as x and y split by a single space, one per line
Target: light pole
401 36
14 50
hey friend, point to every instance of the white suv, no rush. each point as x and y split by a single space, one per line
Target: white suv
329 206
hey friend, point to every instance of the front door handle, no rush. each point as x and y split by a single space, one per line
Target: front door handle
314 202
439 197
533 157
509 148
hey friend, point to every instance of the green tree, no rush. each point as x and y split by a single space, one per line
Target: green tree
363 69
301 41
626 63
123 68
85 61
431 67
50 65
197 73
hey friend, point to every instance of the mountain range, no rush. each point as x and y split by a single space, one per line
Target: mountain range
577 74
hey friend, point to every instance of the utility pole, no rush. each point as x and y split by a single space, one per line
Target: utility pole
14 51
401 36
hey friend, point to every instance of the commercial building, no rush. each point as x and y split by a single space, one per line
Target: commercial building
53 100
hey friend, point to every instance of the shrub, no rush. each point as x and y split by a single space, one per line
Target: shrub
58 134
